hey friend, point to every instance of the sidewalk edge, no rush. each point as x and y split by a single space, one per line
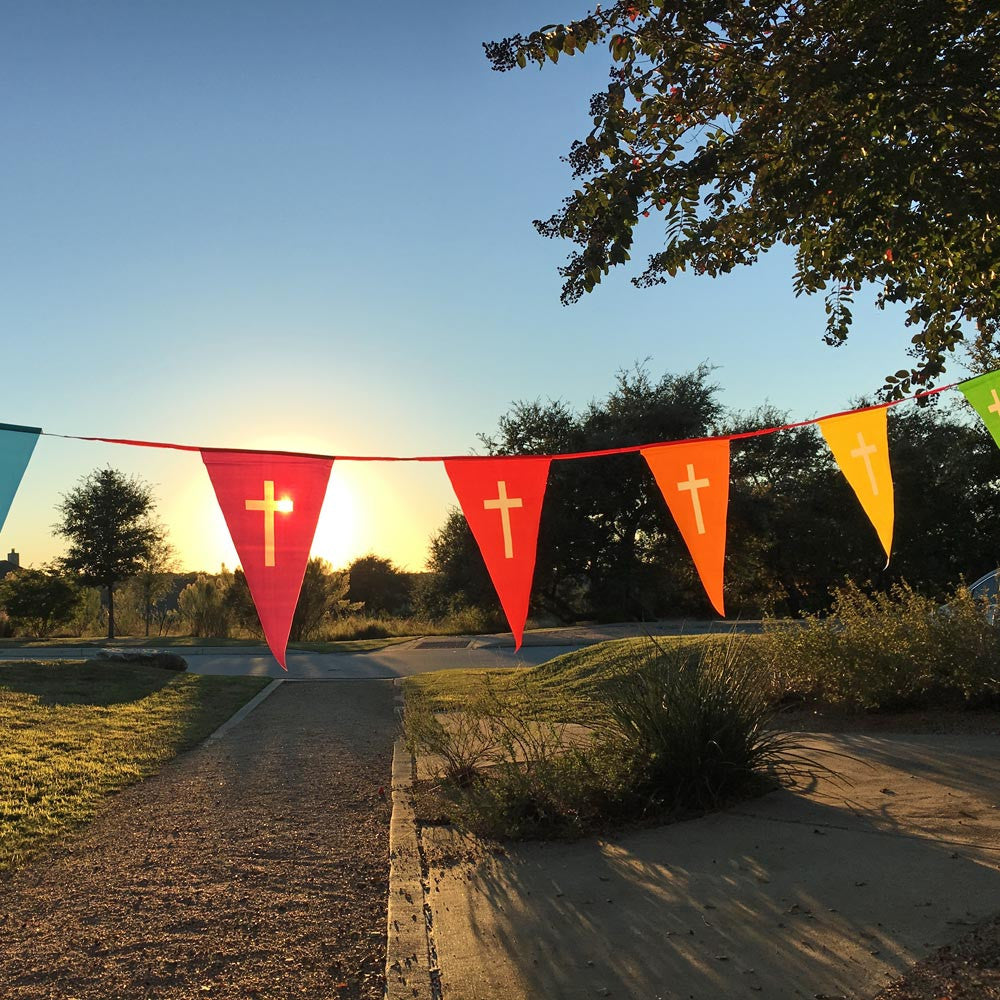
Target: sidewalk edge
408 972
242 713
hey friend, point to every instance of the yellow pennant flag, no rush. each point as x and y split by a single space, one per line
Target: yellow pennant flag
860 444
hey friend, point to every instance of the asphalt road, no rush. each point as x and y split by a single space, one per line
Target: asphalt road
395 661
415 656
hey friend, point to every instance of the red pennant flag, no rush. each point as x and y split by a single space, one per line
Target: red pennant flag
502 501
694 480
271 504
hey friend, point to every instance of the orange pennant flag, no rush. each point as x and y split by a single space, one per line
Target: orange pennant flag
860 444
694 480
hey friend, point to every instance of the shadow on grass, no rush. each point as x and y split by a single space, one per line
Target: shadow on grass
72 682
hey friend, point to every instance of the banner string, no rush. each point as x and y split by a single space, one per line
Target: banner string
557 457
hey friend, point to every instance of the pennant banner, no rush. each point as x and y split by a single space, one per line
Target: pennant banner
16 445
502 501
983 393
694 480
860 444
271 504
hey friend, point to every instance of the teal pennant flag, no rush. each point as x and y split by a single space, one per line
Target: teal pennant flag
16 446
983 393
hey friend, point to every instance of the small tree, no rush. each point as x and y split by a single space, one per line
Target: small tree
108 520
203 606
379 585
323 597
37 600
154 580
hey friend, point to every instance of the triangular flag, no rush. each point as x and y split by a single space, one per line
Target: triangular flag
860 444
984 395
694 480
502 501
271 504
16 445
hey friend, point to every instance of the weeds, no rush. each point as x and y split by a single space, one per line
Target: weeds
887 651
678 729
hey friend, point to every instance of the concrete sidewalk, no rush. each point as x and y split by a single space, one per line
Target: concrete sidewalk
818 891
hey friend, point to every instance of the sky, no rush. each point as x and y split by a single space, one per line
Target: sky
255 224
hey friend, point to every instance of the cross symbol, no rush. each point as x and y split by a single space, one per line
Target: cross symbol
865 451
269 505
995 408
694 485
504 504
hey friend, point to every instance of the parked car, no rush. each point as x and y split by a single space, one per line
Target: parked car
987 588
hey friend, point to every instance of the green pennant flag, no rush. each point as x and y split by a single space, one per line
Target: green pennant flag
983 393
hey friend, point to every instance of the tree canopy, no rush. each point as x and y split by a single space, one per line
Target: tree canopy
863 134
608 548
108 519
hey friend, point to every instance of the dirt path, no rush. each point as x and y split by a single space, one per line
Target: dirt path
254 867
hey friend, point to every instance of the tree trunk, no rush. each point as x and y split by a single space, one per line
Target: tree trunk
111 610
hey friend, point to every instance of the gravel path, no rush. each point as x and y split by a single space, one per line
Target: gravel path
253 867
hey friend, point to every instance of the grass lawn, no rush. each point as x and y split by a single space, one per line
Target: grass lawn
190 642
71 733
565 689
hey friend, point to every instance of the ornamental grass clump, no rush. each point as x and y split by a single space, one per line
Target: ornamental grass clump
695 723
888 651
672 730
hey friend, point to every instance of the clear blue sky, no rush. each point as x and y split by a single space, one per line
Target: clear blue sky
263 224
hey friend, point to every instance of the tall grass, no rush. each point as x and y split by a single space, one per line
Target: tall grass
673 729
695 721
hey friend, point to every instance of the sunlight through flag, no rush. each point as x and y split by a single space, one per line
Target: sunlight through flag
502 501
860 444
983 394
271 504
694 481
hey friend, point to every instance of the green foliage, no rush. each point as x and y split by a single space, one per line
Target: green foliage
240 607
203 606
37 600
864 135
887 651
696 722
322 599
669 729
88 615
606 547
108 520
379 585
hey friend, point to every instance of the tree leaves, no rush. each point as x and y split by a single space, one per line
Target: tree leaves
862 134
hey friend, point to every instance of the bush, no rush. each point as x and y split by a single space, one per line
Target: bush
142 658
203 607
888 651
678 729
695 721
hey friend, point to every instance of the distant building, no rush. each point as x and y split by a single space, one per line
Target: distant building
11 563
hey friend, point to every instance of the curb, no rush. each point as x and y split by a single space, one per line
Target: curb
409 972
242 713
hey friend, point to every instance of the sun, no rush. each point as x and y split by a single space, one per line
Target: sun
340 527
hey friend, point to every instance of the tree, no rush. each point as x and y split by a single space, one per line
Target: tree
605 544
379 585
109 522
323 597
205 607
37 600
155 579
865 135
608 547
